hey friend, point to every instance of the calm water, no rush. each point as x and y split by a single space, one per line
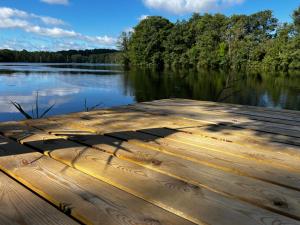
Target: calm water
68 85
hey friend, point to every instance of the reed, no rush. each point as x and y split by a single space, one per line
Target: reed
35 114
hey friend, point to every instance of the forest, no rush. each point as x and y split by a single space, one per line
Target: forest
215 41
70 56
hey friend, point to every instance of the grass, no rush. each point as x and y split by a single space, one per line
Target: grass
87 109
35 114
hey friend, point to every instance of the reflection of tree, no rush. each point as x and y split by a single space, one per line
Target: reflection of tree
228 89
249 89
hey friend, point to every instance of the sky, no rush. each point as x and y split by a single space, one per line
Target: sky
54 25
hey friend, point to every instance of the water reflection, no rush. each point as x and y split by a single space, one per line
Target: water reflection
68 85
267 90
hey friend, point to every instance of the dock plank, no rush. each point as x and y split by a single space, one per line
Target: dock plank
263 194
269 125
172 161
231 163
112 122
192 202
20 206
87 199
265 156
242 109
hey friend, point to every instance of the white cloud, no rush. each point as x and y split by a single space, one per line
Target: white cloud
57 2
32 23
189 6
50 20
143 17
6 12
11 13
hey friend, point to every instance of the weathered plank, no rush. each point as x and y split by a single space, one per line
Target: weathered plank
20 206
89 200
191 202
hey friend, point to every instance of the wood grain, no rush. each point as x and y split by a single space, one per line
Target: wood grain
20 206
192 202
248 189
87 199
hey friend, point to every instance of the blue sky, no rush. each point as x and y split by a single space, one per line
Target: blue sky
79 24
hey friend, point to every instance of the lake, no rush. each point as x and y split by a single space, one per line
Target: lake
73 87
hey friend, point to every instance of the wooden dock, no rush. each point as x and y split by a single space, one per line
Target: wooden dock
172 162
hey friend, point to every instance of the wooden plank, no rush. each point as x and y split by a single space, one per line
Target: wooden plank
247 189
262 155
280 135
135 115
122 123
220 132
191 202
233 133
74 126
265 172
107 124
282 156
243 137
87 199
20 206
227 106
258 154
209 107
266 125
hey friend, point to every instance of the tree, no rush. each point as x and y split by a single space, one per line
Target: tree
296 18
146 42
123 46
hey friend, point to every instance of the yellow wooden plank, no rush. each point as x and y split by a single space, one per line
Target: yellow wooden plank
227 106
139 120
261 152
290 128
108 123
185 199
280 157
265 156
266 172
123 122
243 137
87 199
20 206
245 188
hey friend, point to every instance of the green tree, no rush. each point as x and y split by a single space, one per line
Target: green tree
146 43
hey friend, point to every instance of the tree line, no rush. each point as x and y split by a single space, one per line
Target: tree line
215 41
70 56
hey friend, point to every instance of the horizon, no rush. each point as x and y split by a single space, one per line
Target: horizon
57 25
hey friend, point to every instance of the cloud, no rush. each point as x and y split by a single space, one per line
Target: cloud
50 20
56 2
11 13
189 6
49 27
